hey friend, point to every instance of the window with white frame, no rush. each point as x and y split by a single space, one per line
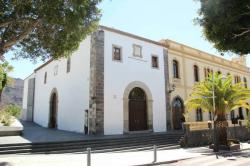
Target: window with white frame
137 50
55 70
45 78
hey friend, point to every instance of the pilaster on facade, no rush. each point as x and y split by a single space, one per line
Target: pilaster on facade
167 86
96 108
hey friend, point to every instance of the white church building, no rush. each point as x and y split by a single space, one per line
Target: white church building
118 83
117 77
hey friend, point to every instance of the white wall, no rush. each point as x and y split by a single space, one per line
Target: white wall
117 76
25 96
72 88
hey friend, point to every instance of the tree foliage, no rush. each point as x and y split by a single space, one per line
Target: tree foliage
45 28
5 68
226 23
228 96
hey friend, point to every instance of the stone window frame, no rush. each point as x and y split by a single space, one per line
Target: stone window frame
45 78
196 79
157 61
120 47
176 74
139 46
237 79
149 99
207 71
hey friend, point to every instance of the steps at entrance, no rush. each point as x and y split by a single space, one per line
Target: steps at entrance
134 142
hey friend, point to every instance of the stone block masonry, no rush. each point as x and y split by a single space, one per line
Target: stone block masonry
96 112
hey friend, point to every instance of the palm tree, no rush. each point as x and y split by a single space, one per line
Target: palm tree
228 97
5 68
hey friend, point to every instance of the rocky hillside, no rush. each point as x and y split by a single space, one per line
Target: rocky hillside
13 94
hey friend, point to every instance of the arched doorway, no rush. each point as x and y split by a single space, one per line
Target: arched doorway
53 110
177 113
137 110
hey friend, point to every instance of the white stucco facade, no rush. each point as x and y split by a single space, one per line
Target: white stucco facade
72 89
119 74
103 88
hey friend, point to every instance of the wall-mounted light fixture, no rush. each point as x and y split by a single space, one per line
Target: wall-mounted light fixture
172 88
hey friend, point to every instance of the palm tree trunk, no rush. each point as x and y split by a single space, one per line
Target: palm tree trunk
220 132
1 96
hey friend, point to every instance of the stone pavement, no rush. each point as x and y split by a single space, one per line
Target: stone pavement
116 159
35 133
99 159
231 159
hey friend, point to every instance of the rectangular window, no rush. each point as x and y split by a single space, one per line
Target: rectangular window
117 53
68 65
45 78
55 70
155 62
137 50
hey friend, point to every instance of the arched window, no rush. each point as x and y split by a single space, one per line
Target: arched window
207 71
247 110
45 78
68 65
245 82
210 115
232 114
196 73
175 69
199 114
241 116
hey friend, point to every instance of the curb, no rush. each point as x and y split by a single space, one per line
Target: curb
174 161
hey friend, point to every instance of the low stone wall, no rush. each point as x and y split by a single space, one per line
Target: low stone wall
14 129
205 137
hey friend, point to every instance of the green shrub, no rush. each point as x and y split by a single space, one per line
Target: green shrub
13 110
5 118
7 112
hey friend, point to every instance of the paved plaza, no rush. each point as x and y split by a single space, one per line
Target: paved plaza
190 156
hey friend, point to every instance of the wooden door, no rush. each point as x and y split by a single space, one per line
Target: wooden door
137 110
53 111
177 112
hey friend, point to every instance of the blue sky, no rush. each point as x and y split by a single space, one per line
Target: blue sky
153 19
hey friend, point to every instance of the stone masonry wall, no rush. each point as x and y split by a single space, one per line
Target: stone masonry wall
96 111
166 75
205 137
